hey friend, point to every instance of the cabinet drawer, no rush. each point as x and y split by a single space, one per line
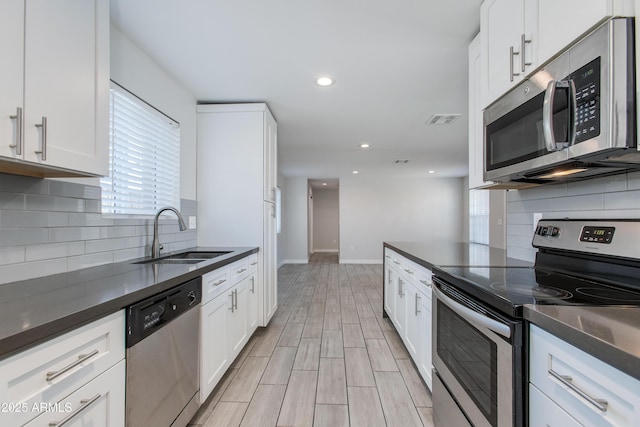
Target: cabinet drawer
214 282
52 370
239 270
253 263
98 403
544 413
580 383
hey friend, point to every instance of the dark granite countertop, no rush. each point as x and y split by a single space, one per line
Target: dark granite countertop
611 334
32 311
431 254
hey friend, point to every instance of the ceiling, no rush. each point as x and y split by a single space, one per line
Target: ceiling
395 64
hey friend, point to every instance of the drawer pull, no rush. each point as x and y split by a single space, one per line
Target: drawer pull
396 262
219 282
566 380
242 270
408 271
426 283
254 263
81 358
85 403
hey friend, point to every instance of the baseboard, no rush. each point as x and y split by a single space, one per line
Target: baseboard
360 261
327 251
295 261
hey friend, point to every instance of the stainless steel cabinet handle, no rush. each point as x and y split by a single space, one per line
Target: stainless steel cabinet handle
408 271
253 284
523 43
219 282
417 299
396 262
235 298
426 283
401 287
43 147
389 279
242 270
19 134
254 263
232 306
81 358
566 380
85 403
512 53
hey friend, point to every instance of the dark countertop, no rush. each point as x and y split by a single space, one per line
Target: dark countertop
460 254
32 311
611 334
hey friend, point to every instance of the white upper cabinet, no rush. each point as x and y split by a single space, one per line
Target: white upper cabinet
62 67
518 36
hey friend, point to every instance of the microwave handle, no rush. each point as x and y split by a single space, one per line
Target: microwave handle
547 114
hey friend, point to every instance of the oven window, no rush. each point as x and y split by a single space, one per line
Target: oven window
472 359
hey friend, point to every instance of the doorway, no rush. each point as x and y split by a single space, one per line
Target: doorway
324 218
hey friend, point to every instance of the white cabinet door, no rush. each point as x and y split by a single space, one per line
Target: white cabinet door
99 403
67 84
543 412
412 335
400 306
501 27
252 303
270 158
214 354
389 294
476 129
237 318
11 74
270 264
424 360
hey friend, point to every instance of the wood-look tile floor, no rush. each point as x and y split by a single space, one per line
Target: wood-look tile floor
327 358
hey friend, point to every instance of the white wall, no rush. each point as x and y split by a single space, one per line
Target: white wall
615 196
326 220
294 220
136 72
373 210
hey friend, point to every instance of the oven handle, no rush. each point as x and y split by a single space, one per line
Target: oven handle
473 316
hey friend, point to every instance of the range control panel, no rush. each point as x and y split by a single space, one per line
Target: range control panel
614 237
597 234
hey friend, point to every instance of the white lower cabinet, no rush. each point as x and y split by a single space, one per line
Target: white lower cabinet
100 403
545 413
49 373
407 302
214 353
583 387
228 317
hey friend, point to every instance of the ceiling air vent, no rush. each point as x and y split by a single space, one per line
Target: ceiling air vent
401 161
442 119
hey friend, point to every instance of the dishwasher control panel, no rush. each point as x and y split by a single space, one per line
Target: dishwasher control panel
146 316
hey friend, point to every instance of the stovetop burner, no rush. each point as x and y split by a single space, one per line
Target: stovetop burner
539 293
611 294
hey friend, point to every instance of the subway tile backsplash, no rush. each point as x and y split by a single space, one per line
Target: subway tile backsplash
616 196
49 227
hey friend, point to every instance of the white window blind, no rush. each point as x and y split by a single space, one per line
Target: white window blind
479 216
144 158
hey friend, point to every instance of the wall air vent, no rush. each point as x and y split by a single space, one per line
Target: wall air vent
442 119
401 161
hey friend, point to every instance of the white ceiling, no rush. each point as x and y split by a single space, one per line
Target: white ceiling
395 64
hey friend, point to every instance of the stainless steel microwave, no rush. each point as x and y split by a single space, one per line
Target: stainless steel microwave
575 118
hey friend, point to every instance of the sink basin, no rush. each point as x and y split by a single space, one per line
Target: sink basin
184 258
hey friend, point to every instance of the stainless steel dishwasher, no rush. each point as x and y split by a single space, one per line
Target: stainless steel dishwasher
162 357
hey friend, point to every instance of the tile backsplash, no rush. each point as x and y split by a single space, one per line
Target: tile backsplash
616 196
49 227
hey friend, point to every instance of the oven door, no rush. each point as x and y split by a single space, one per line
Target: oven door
473 356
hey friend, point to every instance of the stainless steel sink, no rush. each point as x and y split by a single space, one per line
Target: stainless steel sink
184 258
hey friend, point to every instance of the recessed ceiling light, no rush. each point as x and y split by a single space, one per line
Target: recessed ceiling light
355 172
432 171
324 183
325 81
365 145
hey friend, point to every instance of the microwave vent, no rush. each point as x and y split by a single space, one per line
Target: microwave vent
442 119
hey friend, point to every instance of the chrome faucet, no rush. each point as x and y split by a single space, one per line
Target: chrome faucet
156 246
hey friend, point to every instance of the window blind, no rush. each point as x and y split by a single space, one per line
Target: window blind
144 158
479 216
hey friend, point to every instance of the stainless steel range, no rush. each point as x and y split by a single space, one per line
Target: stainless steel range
479 343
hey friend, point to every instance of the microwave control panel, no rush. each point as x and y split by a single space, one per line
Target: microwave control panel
587 83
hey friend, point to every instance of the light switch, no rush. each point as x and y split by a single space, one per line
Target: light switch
192 223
